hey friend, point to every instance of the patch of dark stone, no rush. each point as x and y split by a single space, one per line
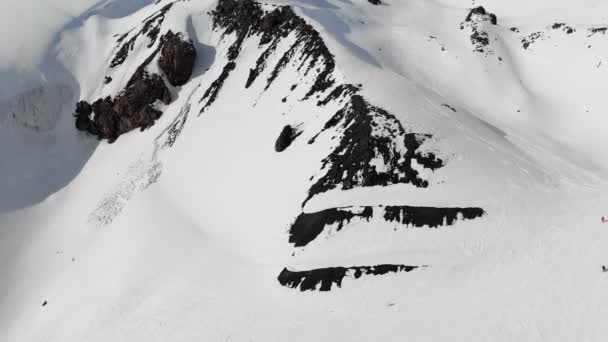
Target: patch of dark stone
375 2
479 38
177 127
214 89
430 217
131 109
597 30
323 279
107 80
286 138
371 133
151 28
531 39
481 12
339 92
564 27
308 226
177 58
449 107
246 18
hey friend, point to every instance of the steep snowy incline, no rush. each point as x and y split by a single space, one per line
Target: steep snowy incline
323 169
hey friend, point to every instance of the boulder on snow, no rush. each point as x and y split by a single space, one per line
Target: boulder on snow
131 109
480 12
177 58
287 136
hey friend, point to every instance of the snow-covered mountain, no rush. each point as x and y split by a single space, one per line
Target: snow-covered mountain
235 170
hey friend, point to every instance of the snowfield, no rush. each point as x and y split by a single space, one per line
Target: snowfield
332 170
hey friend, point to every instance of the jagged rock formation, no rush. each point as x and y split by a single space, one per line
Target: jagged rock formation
131 109
150 28
135 106
177 59
372 136
373 149
474 21
308 226
246 19
323 279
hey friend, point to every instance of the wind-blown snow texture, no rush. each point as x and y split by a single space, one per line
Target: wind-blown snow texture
304 170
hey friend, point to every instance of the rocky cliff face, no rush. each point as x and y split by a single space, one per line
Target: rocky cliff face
137 105
372 148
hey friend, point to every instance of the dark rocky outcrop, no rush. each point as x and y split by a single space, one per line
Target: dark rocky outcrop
150 28
134 107
375 2
308 226
131 109
177 58
371 133
479 37
286 138
323 279
246 18
429 216
597 30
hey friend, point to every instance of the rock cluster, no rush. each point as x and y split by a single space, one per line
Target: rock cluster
177 59
133 108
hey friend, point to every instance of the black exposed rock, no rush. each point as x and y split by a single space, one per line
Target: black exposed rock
531 39
429 216
479 37
341 91
177 58
287 136
308 226
214 89
375 2
131 109
327 277
371 133
481 12
597 30
151 28
246 18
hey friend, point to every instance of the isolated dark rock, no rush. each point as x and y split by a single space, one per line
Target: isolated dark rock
177 58
323 279
286 138
351 165
308 226
482 13
375 2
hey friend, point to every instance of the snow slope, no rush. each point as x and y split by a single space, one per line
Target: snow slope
179 232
